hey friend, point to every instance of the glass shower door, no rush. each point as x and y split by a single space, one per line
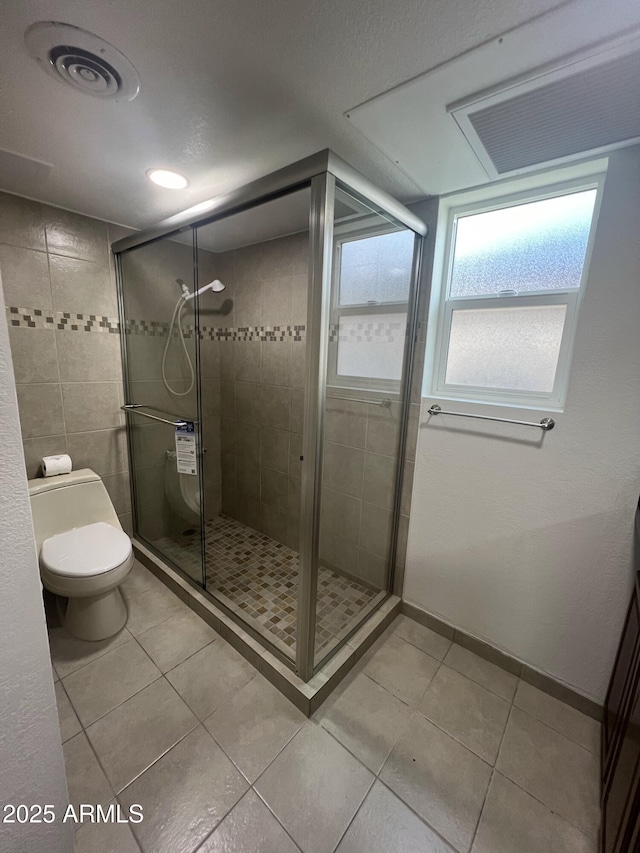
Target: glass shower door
162 400
252 369
369 311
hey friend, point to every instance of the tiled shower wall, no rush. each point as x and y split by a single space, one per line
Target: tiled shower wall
262 398
262 384
150 295
60 297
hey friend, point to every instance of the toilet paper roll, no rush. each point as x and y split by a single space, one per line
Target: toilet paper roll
52 465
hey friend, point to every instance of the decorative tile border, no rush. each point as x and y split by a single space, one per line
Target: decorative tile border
42 318
154 328
64 321
373 332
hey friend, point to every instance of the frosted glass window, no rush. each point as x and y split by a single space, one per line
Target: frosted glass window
376 269
371 345
529 247
510 348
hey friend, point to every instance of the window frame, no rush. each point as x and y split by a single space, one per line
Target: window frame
337 311
446 304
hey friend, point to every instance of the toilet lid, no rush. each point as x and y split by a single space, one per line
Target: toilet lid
86 551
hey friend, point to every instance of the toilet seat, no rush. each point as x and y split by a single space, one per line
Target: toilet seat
87 551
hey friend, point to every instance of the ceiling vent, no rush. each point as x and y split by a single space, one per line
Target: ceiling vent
588 105
81 59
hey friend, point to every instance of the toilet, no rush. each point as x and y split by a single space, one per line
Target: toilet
83 552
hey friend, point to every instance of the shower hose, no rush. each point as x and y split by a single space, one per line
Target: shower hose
177 314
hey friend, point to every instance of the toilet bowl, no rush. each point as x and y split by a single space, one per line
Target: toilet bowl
182 491
83 552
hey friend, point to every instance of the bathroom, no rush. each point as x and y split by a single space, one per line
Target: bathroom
343 618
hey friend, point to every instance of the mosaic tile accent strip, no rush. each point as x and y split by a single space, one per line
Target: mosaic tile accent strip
257 578
153 328
378 332
41 318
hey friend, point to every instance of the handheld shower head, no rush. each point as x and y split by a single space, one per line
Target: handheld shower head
216 285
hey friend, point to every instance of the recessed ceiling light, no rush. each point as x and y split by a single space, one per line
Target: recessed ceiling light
167 178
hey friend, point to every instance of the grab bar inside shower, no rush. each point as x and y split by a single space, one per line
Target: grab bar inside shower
134 409
545 424
384 403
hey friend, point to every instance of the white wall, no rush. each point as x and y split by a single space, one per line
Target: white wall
528 545
31 763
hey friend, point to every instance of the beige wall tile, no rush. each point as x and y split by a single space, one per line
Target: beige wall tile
248 441
274 449
21 222
40 409
91 405
343 469
104 450
76 236
375 528
275 406
247 361
277 301
119 491
345 422
248 263
380 479
274 489
83 287
25 277
277 258
276 363
34 356
36 448
89 356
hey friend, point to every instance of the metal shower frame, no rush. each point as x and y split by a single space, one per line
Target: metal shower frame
322 173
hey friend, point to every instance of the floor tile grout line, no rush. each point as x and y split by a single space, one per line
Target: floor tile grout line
119 705
82 666
557 731
419 816
271 811
355 814
159 757
280 751
377 774
493 772
475 681
206 645
498 772
413 645
551 728
502 773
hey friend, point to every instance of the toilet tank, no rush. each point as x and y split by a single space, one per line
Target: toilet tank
67 501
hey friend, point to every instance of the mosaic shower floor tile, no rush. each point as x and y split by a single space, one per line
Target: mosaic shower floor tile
257 578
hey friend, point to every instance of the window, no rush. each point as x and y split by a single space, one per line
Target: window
512 279
371 284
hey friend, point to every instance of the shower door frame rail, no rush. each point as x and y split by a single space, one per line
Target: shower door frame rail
322 173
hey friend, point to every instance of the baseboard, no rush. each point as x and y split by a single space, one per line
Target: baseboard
541 680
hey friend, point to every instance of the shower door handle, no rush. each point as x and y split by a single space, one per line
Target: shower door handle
134 409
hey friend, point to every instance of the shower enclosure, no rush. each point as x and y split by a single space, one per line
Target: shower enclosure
267 420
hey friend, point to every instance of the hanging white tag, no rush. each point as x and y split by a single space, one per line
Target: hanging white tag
186 460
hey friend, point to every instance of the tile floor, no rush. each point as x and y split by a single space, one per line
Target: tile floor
257 577
424 748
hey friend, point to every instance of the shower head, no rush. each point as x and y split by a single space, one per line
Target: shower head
216 285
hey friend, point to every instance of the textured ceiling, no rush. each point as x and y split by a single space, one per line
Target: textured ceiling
230 91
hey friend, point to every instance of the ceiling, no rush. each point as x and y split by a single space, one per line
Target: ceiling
229 91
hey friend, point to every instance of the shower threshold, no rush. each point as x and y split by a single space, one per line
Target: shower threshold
257 578
307 696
